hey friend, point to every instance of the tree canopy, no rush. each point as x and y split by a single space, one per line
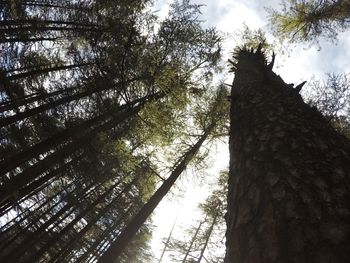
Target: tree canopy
104 105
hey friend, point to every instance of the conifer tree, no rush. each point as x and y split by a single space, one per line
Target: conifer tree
306 21
288 192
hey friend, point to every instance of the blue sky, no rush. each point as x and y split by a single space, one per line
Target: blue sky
303 62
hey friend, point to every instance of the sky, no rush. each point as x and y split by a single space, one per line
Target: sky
302 63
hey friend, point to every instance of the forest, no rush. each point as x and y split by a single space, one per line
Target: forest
109 108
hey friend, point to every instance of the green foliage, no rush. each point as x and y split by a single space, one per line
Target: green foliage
307 20
205 237
68 69
251 38
331 98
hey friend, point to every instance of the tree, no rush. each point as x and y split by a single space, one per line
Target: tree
213 119
307 20
288 189
117 247
331 98
166 242
204 239
86 97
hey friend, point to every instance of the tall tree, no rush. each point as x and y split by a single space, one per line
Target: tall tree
204 240
210 120
288 193
117 247
166 243
78 123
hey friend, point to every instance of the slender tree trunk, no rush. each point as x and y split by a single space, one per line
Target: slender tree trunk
44 4
27 213
208 234
27 39
166 244
69 135
188 251
116 248
79 91
54 103
24 192
113 228
36 22
46 70
71 244
27 244
70 226
33 172
289 184
34 29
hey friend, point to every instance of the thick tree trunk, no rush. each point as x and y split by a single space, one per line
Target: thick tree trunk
117 247
289 184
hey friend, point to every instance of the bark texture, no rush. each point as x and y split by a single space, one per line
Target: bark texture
289 184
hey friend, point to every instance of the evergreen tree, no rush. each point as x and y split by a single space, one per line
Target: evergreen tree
85 95
204 240
331 98
288 194
307 20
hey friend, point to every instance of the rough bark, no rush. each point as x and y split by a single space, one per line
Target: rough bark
289 189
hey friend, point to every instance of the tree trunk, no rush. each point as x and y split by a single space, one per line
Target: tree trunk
166 244
34 186
55 103
70 245
110 230
74 133
208 235
114 251
27 39
188 250
45 70
70 94
70 226
289 185
28 242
